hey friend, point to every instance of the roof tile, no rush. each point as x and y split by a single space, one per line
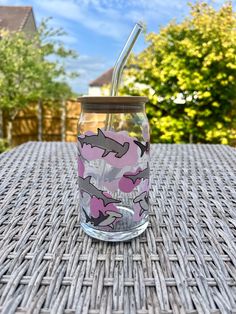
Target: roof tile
103 79
13 18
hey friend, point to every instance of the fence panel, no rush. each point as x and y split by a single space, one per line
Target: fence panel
57 124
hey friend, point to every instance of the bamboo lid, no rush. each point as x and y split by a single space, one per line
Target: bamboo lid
113 104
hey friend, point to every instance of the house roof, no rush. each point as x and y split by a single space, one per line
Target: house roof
14 18
103 79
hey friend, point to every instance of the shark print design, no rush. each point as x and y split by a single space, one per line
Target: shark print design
142 199
103 220
96 205
144 148
108 144
142 175
87 187
122 153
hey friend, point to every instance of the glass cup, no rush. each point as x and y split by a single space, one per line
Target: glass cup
113 167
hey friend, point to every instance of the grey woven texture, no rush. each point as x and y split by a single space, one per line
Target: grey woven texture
184 263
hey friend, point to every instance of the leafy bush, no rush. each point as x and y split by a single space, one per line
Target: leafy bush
189 74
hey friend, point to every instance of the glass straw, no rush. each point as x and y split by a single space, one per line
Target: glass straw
120 63
117 73
122 59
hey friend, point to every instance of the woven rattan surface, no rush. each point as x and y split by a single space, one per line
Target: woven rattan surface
184 263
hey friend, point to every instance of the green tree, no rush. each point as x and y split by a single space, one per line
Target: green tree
188 72
31 69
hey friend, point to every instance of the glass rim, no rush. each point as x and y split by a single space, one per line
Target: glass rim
131 100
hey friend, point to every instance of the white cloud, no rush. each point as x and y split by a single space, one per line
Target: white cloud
108 18
69 39
106 23
85 63
89 68
112 18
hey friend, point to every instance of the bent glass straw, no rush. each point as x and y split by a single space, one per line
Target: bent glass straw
120 63
122 59
118 69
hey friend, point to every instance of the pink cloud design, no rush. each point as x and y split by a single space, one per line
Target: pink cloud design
81 167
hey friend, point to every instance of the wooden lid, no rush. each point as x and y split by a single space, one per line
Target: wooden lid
112 104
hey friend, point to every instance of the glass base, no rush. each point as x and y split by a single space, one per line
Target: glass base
114 236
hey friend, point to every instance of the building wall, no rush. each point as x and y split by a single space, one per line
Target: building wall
29 26
98 91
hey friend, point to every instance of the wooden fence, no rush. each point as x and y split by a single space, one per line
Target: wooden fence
47 124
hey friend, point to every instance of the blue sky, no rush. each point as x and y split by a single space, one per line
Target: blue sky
98 29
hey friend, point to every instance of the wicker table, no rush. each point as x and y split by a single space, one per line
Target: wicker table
184 263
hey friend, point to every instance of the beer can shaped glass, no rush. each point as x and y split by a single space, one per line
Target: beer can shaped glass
113 167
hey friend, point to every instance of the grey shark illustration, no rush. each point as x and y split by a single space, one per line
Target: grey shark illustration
142 199
87 187
108 144
78 150
144 148
103 220
142 174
